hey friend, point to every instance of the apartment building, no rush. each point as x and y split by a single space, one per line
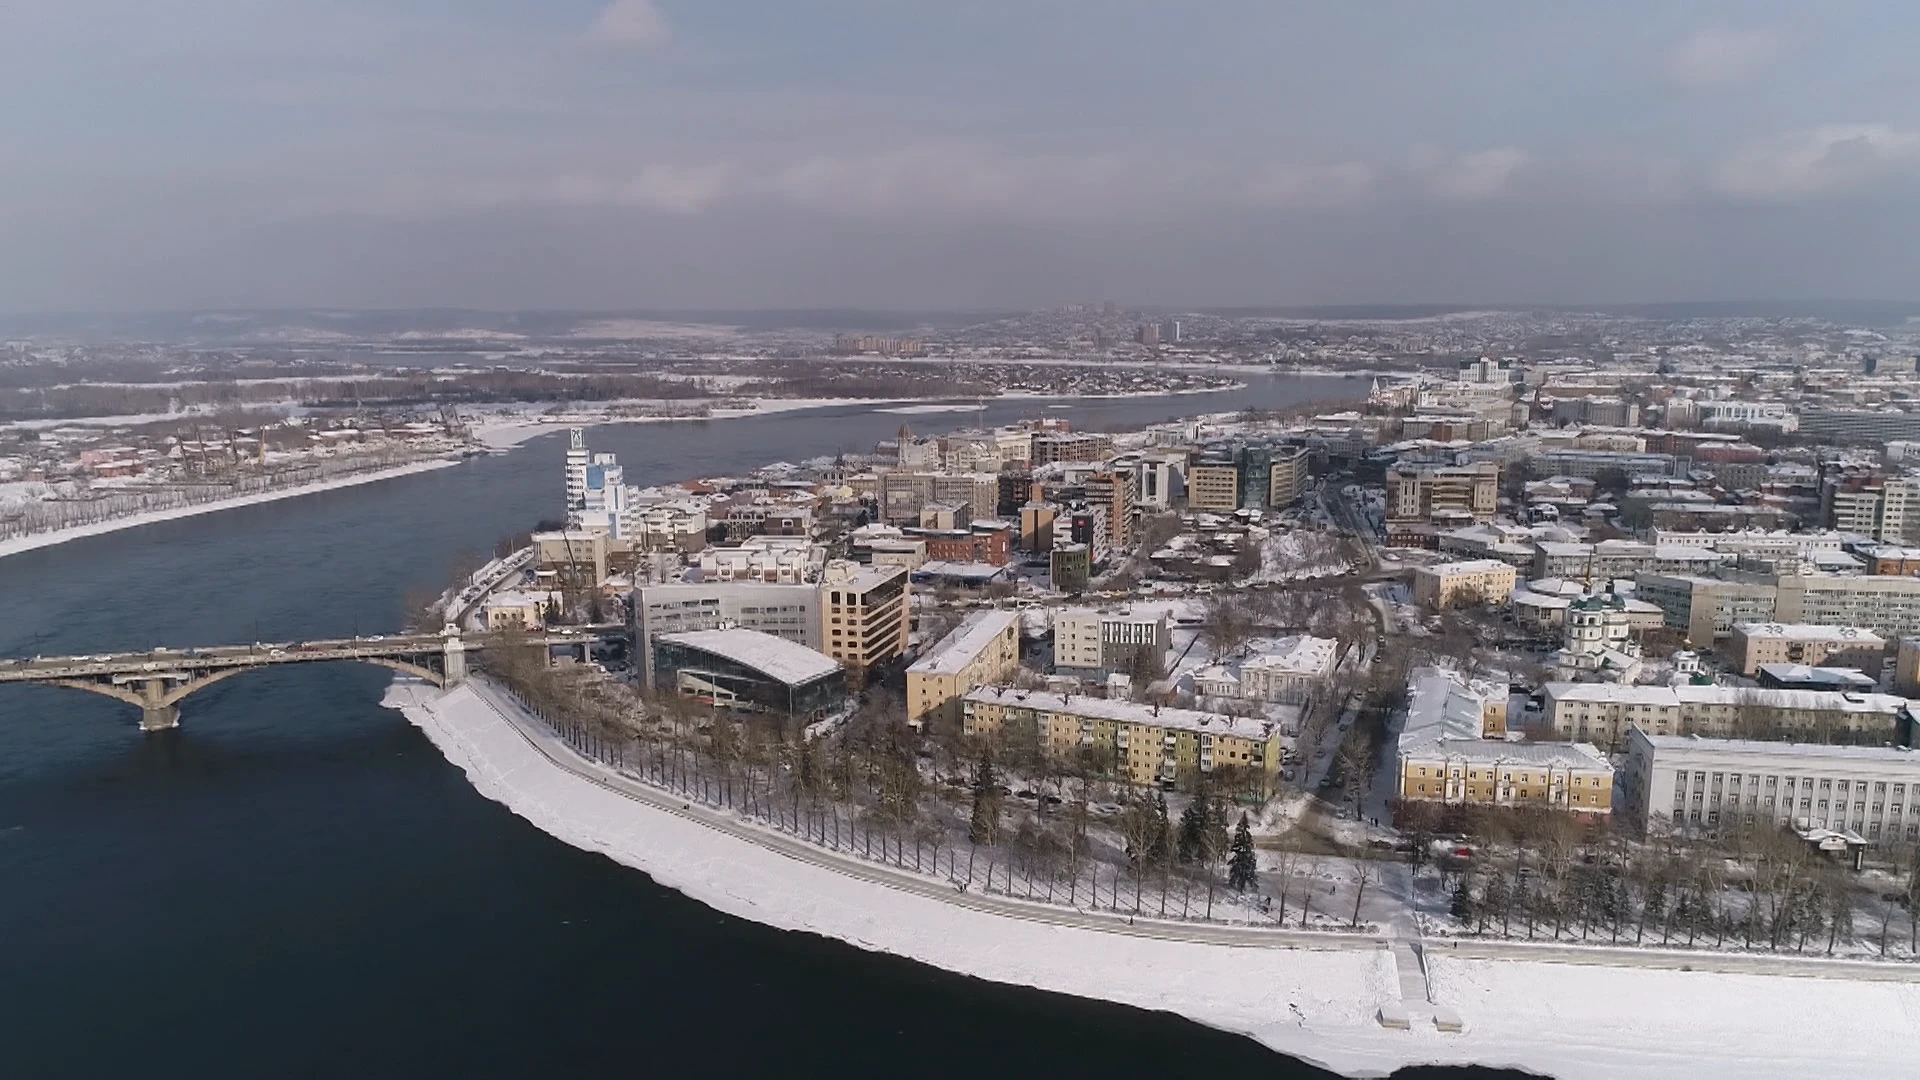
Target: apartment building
984 648
1756 644
1451 493
1702 784
864 612
1093 644
1602 712
1151 746
1447 585
1451 750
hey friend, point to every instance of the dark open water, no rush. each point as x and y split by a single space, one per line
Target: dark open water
297 884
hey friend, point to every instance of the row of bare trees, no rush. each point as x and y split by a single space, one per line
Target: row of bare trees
875 791
1759 888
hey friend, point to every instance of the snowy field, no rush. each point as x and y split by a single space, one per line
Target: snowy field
1561 1019
33 541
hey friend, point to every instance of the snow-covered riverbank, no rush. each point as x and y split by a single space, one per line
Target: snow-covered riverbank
33 541
502 431
1565 1019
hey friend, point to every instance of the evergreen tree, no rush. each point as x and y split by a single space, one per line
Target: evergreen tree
1462 908
1193 832
1161 849
1242 867
984 828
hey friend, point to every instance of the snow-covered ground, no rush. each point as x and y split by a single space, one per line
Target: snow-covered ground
1565 1019
33 541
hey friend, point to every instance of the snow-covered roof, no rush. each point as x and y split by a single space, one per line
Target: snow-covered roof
1807 632
958 649
1126 712
774 657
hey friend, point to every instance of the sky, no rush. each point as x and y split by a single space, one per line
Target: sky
653 154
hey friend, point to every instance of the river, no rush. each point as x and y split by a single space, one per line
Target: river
295 883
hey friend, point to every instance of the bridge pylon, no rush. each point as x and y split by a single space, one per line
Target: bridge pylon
156 714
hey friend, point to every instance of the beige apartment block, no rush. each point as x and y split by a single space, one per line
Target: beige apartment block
1756 643
985 648
1478 581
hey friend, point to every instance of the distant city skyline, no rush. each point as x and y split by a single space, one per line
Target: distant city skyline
586 155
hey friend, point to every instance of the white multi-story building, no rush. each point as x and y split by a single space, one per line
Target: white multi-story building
1288 673
578 458
1602 712
775 560
1767 544
1088 642
1693 783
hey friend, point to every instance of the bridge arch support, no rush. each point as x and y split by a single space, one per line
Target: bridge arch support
158 697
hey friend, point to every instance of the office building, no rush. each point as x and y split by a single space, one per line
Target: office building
787 611
1454 494
1704 784
1602 712
746 669
1093 644
864 612
1213 482
1452 750
1287 477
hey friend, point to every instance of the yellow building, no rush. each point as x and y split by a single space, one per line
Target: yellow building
1487 581
1452 750
863 615
983 649
1213 487
1287 479
1152 746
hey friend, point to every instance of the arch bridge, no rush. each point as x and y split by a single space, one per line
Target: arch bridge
156 682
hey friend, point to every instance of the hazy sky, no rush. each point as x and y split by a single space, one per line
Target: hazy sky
908 153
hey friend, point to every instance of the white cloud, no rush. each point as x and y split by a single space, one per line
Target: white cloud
1478 174
1289 186
635 23
1835 158
1719 56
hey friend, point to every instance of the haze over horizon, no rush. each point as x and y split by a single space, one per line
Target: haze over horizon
587 155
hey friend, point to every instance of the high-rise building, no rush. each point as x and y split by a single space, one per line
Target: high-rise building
864 613
577 461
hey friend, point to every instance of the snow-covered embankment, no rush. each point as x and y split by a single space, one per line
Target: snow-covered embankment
1566 1020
